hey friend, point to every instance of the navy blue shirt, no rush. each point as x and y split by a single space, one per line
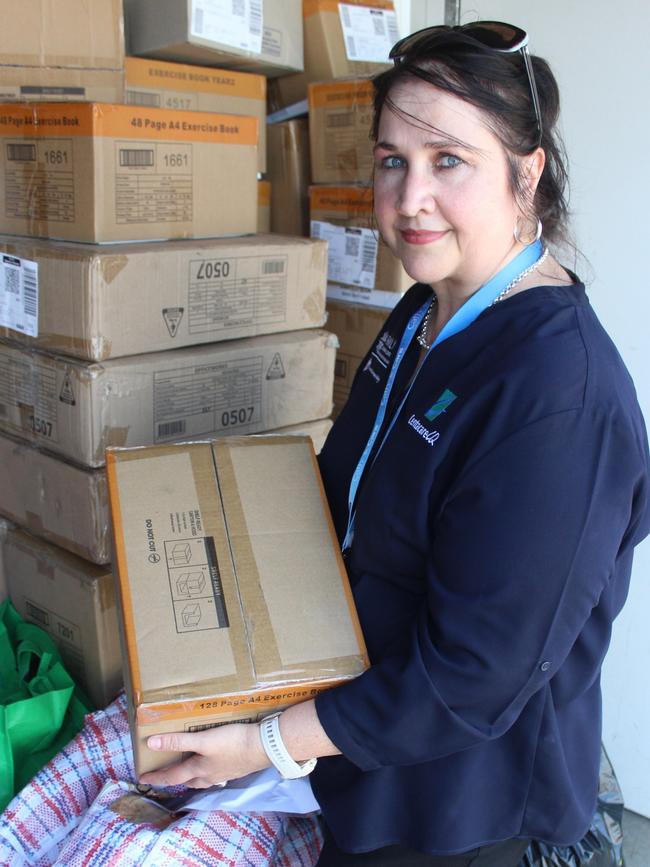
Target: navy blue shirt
492 551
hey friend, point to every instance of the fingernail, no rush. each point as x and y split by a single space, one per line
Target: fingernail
154 742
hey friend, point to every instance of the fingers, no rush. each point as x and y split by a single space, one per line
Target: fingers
175 775
176 742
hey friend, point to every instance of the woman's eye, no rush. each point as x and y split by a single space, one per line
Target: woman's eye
449 161
393 162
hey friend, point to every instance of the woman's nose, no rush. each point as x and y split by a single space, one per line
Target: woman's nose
415 195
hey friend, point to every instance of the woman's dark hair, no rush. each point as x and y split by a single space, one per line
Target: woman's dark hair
497 84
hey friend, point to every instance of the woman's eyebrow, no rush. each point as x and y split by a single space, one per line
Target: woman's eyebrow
433 145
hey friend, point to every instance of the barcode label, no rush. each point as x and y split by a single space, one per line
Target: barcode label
23 153
133 158
171 428
351 253
273 266
369 33
255 20
36 614
236 23
19 295
140 97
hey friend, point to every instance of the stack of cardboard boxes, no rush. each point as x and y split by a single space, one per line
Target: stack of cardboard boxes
137 306
345 44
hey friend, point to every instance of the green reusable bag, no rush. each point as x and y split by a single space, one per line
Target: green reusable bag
41 709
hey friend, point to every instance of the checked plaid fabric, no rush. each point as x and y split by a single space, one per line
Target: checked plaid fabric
63 818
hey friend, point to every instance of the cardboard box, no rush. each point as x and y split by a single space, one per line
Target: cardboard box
263 206
316 430
340 120
100 172
77 409
56 500
99 302
357 257
198 88
226 553
58 84
67 504
75 603
342 40
264 38
4 527
71 50
357 327
289 173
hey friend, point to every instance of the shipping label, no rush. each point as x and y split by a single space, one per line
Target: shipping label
39 180
351 253
368 33
238 23
208 398
28 399
162 99
153 182
236 291
19 295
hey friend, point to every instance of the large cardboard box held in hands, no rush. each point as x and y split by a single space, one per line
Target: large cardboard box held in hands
99 302
198 88
340 119
99 172
234 598
67 504
260 37
289 174
358 259
350 39
68 50
75 603
357 327
77 409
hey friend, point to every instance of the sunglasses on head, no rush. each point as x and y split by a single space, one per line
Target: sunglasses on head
493 35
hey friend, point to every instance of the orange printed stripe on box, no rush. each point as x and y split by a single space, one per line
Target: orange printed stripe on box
60 120
311 7
253 702
160 75
340 93
349 200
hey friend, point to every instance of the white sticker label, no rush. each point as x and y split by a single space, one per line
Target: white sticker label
238 23
351 253
19 295
368 33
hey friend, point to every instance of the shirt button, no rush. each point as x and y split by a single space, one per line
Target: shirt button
545 666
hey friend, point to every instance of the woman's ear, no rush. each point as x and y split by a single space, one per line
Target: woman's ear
533 166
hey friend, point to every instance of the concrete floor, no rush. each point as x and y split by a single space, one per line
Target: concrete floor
636 840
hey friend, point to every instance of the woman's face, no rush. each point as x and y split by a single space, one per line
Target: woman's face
443 201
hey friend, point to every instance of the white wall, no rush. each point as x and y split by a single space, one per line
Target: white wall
601 59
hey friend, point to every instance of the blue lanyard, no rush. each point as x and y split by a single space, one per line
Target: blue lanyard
463 317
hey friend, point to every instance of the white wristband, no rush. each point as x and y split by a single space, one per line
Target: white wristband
277 752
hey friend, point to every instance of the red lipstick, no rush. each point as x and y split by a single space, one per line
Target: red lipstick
415 236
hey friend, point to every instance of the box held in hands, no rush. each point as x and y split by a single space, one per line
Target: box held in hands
233 594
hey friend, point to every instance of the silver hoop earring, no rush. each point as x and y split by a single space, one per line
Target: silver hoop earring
526 240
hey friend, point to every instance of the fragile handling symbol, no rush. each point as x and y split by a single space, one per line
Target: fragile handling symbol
172 317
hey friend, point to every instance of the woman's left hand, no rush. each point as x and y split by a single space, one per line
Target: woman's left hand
220 754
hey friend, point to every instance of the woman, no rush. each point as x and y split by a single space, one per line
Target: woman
488 479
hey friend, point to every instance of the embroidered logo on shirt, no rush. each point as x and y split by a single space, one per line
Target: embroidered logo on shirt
381 353
429 436
444 401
